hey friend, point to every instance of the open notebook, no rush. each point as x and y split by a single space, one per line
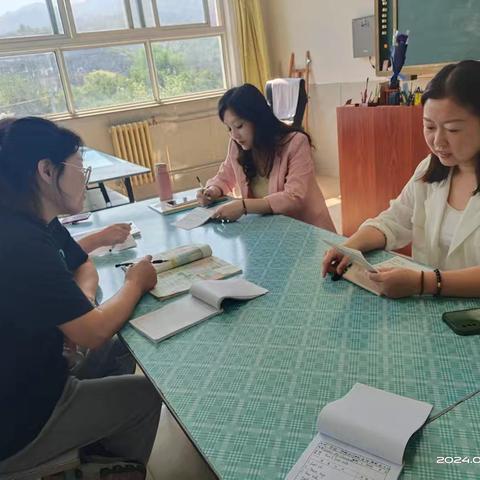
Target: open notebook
357 272
204 301
362 435
186 264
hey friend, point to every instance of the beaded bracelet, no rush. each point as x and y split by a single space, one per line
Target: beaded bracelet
438 276
422 285
244 207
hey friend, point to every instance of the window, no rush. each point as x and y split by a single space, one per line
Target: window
89 17
192 11
108 76
27 18
73 56
188 66
30 85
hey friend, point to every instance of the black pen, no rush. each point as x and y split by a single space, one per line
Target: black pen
127 264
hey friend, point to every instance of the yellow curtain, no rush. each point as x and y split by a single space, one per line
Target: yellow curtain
252 42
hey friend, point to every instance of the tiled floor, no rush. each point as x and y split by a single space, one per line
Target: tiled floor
173 456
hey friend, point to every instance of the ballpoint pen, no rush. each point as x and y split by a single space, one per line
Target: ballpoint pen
202 188
127 264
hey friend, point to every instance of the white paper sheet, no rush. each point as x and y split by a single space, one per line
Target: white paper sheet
197 217
328 459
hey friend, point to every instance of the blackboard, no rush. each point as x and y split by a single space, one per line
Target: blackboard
441 31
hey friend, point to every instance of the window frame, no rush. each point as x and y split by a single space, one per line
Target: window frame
72 40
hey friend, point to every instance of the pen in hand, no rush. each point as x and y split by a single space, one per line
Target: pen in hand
200 183
127 264
202 188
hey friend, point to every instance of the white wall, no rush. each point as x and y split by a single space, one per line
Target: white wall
324 27
187 134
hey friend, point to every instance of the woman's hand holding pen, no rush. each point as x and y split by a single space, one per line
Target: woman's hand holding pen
206 196
334 262
142 274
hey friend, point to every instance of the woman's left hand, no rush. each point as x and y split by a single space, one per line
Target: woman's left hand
230 212
397 282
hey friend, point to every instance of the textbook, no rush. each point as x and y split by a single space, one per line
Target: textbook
362 435
357 272
184 265
204 302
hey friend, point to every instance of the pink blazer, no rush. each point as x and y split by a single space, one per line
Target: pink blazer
292 188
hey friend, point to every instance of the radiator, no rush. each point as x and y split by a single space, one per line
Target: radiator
132 142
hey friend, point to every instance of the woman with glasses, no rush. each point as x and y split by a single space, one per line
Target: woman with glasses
48 288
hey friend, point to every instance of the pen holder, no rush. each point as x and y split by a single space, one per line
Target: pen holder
163 182
389 96
392 96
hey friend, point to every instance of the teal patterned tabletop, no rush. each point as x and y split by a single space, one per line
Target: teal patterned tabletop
449 447
248 385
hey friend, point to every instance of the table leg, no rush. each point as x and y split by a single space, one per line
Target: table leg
128 186
103 189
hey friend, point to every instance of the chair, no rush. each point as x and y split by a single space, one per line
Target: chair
301 103
304 75
64 463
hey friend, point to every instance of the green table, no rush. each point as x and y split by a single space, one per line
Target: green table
455 437
247 386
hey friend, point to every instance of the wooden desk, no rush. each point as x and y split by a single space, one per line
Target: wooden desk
379 149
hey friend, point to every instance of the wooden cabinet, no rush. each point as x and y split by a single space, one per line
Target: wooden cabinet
379 149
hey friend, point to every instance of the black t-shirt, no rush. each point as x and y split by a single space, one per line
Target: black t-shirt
38 293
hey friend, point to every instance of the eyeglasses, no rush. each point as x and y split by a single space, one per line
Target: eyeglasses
86 171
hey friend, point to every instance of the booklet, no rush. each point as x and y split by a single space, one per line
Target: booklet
176 205
357 272
184 265
362 435
100 251
204 301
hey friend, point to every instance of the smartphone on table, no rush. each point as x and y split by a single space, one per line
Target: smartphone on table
463 322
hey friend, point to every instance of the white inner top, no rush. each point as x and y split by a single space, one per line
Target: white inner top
448 228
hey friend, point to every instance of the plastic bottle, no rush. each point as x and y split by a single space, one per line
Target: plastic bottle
162 179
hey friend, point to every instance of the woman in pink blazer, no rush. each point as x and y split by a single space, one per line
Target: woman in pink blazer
269 164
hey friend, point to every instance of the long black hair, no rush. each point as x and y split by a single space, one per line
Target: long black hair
461 83
23 143
270 134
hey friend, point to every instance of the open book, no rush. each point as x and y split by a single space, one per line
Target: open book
357 272
363 435
204 301
184 265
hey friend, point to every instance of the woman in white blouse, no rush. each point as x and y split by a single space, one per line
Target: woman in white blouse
438 210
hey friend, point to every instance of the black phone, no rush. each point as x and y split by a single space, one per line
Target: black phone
463 322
